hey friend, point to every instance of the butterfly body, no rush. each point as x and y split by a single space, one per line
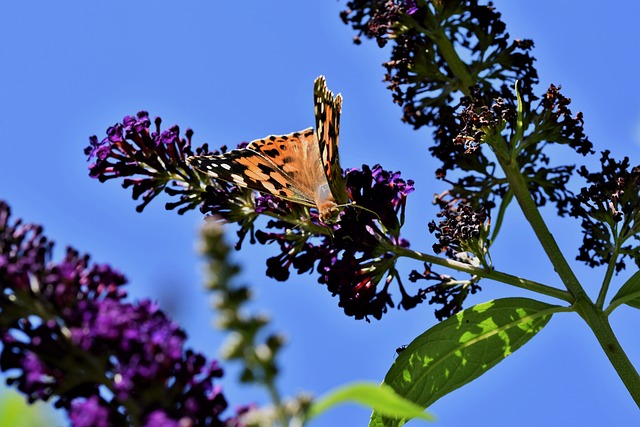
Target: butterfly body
302 167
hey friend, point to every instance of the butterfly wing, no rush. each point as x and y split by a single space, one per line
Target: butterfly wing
302 167
265 165
327 110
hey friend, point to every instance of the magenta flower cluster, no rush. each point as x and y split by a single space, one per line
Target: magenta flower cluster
68 334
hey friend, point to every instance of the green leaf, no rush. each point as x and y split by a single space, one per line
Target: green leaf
461 348
15 411
519 133
382 398
628 294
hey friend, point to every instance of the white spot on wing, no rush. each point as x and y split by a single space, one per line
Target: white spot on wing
238 179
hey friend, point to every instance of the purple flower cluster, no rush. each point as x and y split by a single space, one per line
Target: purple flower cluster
559 125
410 6
609 208
68 334
460 229
147 160
151 161
377 19
358 253
491 123
419 72
355 253
447 292
479 119
427 74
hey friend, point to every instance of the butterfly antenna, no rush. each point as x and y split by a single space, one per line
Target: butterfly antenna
365 209
301 223
298 225
360 207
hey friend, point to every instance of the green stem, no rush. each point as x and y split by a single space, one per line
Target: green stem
599 324
492 274
595 317
520 190
592 314
495 226
277 403
458 67
607 279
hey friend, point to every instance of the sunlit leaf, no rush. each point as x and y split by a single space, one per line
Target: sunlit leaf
380 397
462 348
15 411
628 294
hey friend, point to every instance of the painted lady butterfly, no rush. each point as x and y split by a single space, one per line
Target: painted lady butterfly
302 167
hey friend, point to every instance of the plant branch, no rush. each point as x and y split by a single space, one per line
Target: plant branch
595 317
520 190
599 324
492 274
607 279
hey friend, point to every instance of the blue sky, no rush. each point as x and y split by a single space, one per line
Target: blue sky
236 71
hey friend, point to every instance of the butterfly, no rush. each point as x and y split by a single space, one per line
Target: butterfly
302 167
